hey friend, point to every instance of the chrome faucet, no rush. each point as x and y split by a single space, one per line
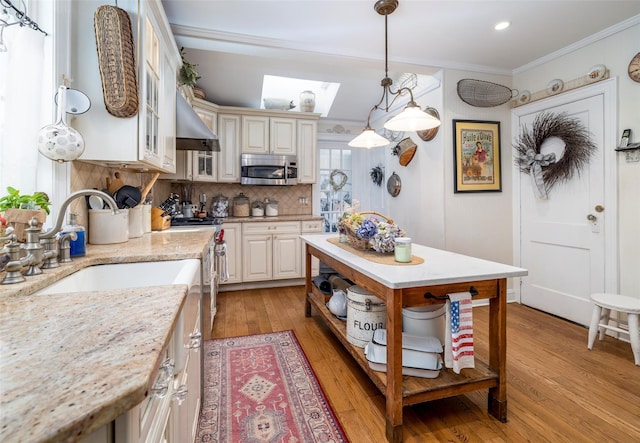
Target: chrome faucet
41 247
48 239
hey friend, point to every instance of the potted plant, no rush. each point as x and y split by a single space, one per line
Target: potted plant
19 208
188 73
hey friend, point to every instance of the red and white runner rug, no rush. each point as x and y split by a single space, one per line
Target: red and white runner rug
261 388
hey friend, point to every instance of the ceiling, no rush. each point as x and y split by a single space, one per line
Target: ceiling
236 42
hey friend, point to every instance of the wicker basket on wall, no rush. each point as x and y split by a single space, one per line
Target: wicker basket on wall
116 60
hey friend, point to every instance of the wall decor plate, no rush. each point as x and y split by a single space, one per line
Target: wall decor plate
394 185
428 134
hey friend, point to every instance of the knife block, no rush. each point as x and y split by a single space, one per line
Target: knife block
159 222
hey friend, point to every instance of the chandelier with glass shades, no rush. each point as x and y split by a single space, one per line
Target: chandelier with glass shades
412 118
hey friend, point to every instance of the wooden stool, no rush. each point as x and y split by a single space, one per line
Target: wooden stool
602 306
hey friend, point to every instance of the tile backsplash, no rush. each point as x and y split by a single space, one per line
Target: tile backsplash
292 200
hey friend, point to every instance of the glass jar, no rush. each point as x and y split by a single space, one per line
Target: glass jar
257 209
402 249
220 206
241 206
271 207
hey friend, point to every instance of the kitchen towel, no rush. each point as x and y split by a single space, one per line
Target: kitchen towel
458 349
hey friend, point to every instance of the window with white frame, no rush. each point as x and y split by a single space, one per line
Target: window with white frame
335 185
26 93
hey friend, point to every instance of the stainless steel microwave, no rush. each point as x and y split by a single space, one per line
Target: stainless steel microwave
269 169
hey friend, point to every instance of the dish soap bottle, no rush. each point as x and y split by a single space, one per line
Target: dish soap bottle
79 245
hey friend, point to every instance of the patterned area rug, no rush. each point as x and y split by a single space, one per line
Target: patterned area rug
261 388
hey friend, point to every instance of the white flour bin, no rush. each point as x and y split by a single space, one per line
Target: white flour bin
365 314
425 321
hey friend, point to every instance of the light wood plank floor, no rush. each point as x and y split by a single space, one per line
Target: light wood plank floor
558 391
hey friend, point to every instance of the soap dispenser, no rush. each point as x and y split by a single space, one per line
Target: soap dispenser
79 245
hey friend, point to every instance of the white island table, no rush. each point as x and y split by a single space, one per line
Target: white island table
400 286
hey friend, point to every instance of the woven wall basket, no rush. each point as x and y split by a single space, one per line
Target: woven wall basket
116 60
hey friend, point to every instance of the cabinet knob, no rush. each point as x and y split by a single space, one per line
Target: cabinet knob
195 341
180 394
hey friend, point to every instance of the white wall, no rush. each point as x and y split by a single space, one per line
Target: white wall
478 224
614 52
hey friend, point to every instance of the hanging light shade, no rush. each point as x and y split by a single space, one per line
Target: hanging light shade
369 139
412 118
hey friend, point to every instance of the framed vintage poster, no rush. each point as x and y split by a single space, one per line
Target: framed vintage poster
476 153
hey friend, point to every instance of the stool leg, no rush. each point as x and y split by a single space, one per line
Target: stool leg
593 327
634 336
606 314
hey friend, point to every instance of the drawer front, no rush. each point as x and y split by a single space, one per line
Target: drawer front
271 228
311 226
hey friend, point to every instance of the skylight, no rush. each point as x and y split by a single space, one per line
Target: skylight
290 89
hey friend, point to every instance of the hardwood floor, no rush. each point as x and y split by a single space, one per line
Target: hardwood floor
558 391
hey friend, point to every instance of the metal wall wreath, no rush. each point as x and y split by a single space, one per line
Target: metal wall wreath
545 170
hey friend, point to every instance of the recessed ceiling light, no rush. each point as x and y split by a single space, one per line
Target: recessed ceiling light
502 26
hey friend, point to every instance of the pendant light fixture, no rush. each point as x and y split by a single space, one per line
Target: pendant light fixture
412 118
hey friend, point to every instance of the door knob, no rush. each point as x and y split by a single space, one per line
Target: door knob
592 217
599 208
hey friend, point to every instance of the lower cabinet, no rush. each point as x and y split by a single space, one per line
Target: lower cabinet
271 251
310 227
233 237
170 412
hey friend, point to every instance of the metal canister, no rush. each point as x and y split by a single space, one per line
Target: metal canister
365 314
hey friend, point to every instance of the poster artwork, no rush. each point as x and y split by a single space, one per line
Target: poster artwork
477 159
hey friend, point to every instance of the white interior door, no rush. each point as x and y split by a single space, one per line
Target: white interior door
563 238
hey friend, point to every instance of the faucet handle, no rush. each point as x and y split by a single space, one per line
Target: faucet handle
9 237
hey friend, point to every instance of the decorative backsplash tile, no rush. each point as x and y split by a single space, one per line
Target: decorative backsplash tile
292 200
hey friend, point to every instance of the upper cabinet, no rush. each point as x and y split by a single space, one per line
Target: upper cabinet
255 131
146 140
268 135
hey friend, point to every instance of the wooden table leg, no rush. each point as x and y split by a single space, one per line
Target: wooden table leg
394 366
497 404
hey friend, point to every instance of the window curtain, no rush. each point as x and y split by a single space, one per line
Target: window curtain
22 110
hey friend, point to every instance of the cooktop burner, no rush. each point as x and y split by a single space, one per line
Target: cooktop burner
195 221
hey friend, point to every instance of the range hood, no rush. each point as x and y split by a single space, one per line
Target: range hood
191 132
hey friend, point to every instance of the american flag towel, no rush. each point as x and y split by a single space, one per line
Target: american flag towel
458 349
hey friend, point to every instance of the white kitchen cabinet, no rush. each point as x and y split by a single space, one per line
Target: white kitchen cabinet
271 251
146 140
229 155
268 135
184 167
310 227
307 136
205 163
201 166
282 136
233 237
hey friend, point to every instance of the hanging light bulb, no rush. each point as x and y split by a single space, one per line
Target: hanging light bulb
412 118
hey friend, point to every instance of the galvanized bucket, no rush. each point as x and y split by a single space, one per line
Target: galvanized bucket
365 314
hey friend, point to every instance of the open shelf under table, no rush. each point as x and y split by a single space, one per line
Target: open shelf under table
414 389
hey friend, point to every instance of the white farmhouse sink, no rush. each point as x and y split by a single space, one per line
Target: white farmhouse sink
126 275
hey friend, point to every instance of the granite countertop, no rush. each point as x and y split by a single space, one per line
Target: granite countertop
171 244
439 266
71 363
